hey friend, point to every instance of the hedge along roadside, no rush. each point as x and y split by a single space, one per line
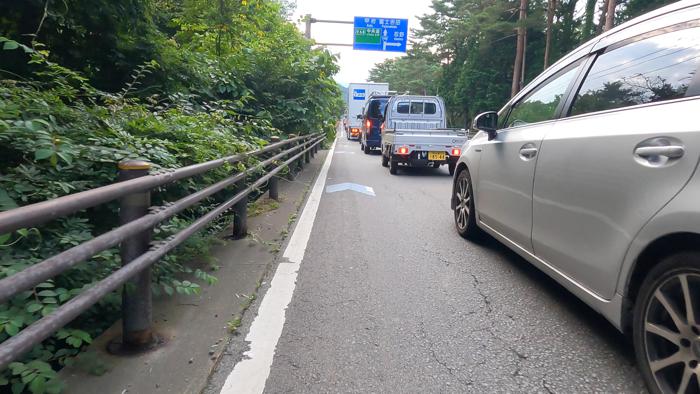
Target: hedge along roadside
43 328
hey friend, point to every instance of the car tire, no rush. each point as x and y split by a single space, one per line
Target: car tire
366 149
464 211
655 332
385 160
451 168
393 167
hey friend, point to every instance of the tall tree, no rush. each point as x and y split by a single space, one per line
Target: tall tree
519 50
610 17
551 6
603 13
588 28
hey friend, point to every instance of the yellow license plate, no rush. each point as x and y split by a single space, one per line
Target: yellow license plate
436 155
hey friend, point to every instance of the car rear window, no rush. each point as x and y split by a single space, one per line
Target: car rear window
402 107
653 69
416 107
430 109
376 108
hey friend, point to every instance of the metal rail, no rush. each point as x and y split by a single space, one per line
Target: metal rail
35 214
127 234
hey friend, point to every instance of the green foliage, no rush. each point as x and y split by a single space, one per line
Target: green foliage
417 73
89 83
465 49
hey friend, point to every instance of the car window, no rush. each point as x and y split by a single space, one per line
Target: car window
416 107
376 108
402 107
430 109
653 69
541 104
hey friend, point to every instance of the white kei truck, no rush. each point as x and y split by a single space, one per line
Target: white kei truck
414 134
358 94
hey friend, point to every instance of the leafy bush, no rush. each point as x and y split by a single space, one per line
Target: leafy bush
198 93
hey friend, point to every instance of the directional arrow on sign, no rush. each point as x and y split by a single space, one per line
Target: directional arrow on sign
352 187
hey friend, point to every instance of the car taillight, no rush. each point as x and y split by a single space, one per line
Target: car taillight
402 150
456 152
368 124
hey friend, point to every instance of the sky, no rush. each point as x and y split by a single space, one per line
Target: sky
355 65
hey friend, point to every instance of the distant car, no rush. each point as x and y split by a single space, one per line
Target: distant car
591 174
414 134
372 118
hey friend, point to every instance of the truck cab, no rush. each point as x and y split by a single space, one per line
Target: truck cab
415 112
414 134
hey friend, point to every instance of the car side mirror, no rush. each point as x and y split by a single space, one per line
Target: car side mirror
359 116
486 122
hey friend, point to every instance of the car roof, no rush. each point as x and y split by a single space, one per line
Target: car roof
415 97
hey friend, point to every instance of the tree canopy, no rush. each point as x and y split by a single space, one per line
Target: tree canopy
464 49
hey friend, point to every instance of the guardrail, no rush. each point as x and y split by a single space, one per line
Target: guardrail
137 219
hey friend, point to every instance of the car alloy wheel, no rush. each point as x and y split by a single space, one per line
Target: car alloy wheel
462 211
671 336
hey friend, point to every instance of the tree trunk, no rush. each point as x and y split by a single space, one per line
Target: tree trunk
519 50
588 29
610 17
601 21
551 6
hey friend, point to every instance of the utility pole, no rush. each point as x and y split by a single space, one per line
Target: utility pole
518 66
307 19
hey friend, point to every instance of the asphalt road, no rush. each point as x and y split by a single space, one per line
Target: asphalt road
390 299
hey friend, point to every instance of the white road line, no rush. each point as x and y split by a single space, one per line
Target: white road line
250 374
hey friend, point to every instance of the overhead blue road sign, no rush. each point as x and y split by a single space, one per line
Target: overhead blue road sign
380 34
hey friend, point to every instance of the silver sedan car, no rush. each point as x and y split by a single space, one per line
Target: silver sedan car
591 174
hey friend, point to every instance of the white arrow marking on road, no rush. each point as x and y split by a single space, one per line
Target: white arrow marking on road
350 186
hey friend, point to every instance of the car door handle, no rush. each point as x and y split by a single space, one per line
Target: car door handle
528 152
670 151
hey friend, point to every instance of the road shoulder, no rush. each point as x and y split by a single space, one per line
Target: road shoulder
197 329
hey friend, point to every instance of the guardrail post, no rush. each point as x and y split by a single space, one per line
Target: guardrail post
292 166
307 154
300 161
273 182
240 218
137 306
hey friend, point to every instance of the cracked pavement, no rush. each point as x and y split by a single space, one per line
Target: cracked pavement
390 299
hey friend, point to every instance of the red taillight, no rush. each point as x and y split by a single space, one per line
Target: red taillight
402 150
456 152
368 124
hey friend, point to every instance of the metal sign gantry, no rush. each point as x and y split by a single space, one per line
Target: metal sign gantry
369 33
